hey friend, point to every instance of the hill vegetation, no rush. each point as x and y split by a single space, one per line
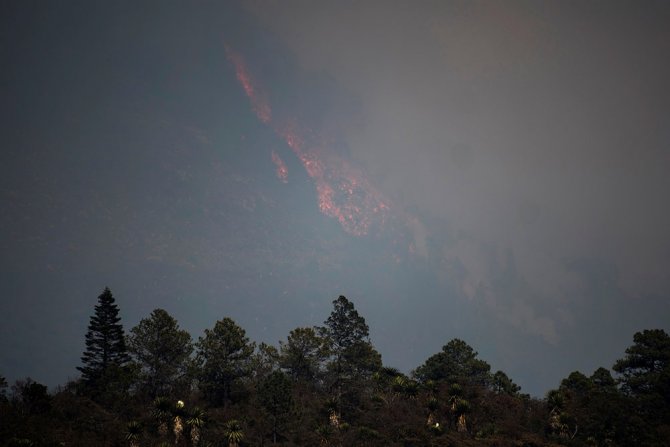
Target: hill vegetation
323 386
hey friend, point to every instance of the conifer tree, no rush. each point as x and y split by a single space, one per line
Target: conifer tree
224 357
353 358
105 355
163 353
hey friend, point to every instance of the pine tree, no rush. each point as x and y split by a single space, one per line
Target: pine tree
224 356
353 358
105 356
162 352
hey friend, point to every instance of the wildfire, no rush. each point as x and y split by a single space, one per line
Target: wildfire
282 170
259 102
342 190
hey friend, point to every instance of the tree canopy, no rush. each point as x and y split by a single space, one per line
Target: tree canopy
106 355
223 356
324 386
456 363
163 352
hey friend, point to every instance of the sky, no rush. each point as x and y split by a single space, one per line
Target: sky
490 171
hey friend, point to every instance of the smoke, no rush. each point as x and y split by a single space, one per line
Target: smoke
533 133
343 191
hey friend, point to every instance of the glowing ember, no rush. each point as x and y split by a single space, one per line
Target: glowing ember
282 171
343 192
259 102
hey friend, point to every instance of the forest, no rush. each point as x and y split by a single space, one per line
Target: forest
323 386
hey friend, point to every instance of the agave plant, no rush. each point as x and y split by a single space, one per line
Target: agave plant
195 421
232 430
133 433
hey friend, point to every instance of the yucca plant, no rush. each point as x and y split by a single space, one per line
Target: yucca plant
462 407
133 433
398 384
325 433
196 421
433 404
178 421
232 430
455 391
162 413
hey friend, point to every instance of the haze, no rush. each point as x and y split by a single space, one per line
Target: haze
521 149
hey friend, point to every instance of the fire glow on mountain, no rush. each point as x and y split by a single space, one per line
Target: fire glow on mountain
282 170
343 191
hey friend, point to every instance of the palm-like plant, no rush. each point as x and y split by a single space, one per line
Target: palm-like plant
162 412
462 407
232 430
455 391
432 404
195 422
332 407
133 433
325 433
178 427
398 384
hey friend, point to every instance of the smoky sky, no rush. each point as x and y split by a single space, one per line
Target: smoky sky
521 147
536 131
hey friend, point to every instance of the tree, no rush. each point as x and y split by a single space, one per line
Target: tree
3 388
224 355
264 361
275 397
302 354
163 352
347 339
646 367
344 327
105 357
645 378
353 358
456 363
503 384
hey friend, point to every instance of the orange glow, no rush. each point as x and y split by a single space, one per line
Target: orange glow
343 192
259 102
282 170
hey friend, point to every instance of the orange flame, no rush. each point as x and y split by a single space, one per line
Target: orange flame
342 190
259 102
282 170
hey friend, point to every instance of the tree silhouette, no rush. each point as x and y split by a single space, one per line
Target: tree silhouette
224 355
105 356
162 351
302 354
353 358
456 363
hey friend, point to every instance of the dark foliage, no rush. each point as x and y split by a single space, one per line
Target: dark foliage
327 387
104 371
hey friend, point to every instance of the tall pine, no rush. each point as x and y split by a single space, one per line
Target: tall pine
105 358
